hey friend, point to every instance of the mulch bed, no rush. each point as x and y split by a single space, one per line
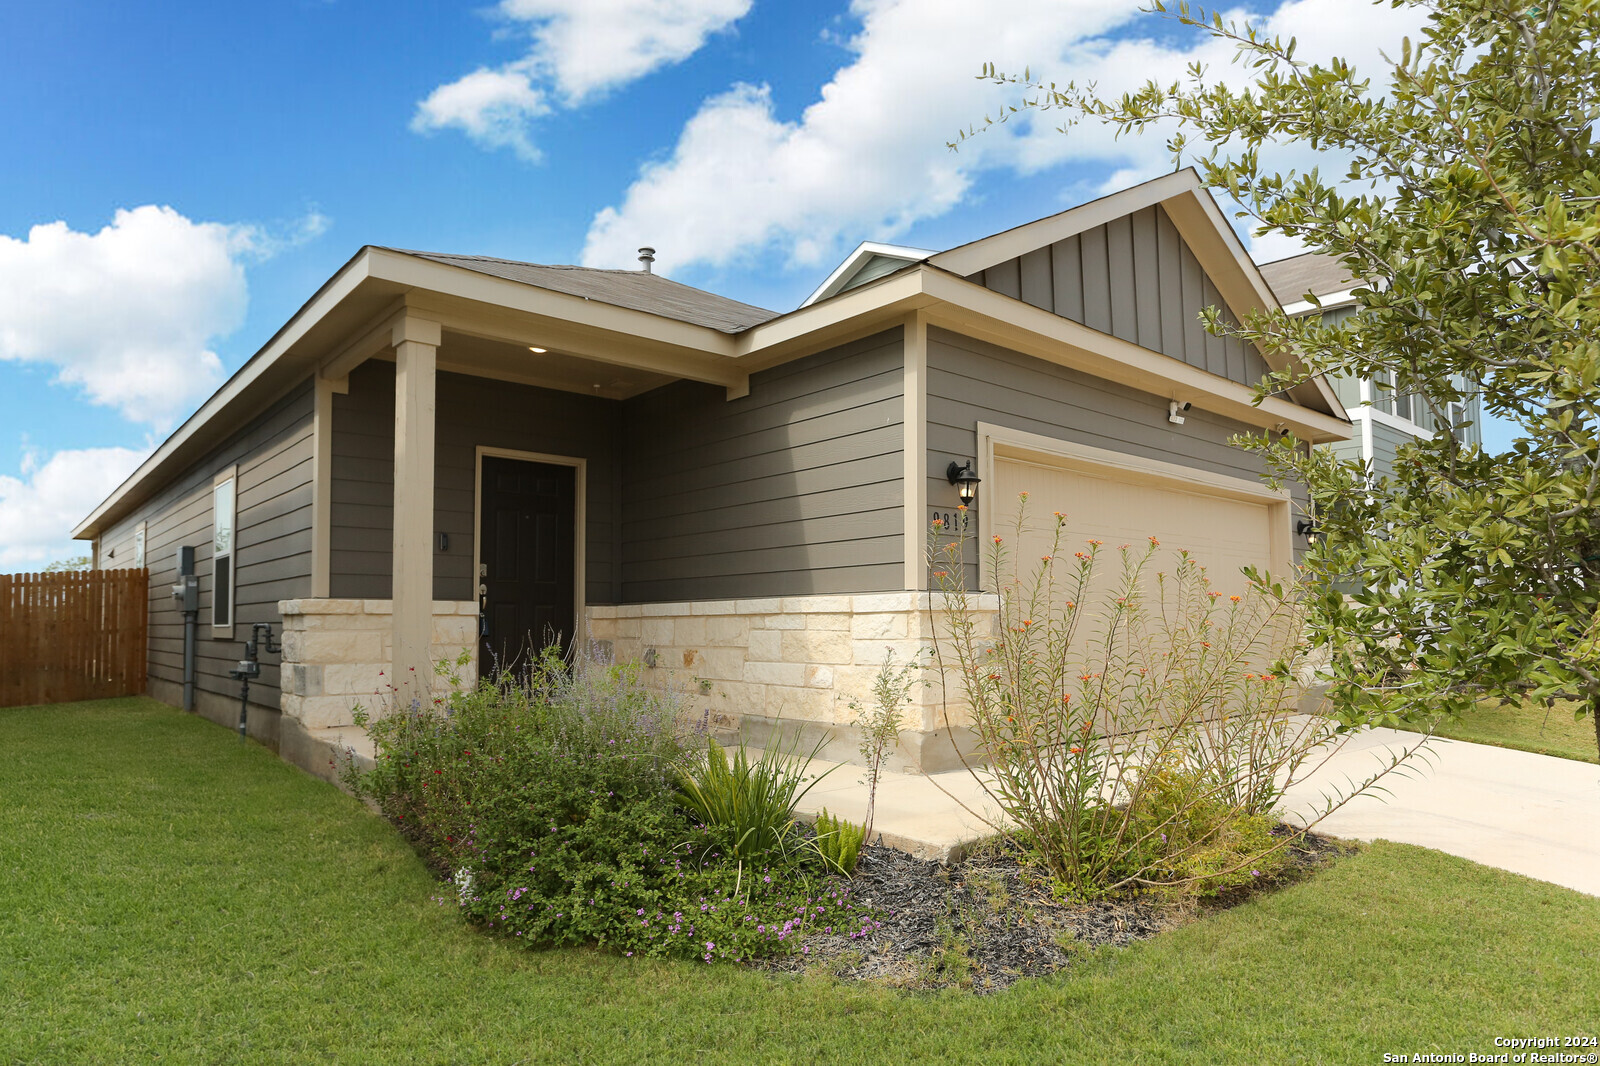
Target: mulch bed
990 920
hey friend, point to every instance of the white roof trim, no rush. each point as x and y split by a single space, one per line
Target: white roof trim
382 264
802 330
846 271
967 307
328 297
981 254
1193 211
1331 302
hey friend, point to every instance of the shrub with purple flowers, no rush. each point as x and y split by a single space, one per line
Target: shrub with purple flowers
550 801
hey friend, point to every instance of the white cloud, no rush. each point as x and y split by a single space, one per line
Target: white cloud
39 508
493 107
579 49
127 315
868 159
584 47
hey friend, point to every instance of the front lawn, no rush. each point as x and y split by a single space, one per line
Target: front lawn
1527 727
167 893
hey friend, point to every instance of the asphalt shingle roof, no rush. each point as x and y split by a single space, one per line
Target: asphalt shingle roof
634 289
1292 278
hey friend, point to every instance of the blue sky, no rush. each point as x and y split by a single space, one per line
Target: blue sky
179 178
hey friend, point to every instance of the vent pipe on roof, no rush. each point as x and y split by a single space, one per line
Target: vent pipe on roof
647 256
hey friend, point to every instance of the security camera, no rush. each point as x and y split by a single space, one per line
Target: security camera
1175 411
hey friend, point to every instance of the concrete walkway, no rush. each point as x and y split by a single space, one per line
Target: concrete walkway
1531 814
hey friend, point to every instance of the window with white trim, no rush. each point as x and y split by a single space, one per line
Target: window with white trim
222 568
138 546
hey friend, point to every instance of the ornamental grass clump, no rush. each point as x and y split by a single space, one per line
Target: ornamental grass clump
1136 727
550 802
752 801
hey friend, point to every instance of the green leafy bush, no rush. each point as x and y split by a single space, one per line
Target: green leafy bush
1192 833
550 801
838 841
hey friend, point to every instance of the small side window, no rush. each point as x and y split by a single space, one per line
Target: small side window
222 511
138 546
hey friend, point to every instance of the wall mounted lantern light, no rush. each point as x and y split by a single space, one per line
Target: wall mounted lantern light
1307 528
965 479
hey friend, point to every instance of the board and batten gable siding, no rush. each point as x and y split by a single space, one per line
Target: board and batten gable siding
272 547
470 412
972 381
794 489
1136 279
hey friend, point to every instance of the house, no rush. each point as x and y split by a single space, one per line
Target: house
1384 419
441 453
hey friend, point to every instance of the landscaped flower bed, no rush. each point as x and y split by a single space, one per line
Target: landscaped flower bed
573 805
993 918
1137 748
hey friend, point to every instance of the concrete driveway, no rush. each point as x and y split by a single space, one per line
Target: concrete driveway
1530 814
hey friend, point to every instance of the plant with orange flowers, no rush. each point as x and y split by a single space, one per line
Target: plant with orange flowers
1135 726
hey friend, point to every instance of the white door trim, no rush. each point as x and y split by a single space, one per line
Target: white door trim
579 519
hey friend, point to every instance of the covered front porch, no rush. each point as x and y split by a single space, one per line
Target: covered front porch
467 490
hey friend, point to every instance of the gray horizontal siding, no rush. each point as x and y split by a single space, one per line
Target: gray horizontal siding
793 489
1136 279
471 413
972 381
272 547
1386 442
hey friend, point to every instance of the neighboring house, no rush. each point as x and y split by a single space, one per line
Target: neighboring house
1384 419
438 446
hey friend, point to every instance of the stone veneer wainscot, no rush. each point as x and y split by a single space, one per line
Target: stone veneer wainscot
797 659
337 654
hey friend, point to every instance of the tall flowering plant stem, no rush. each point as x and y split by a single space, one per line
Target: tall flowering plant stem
1135 726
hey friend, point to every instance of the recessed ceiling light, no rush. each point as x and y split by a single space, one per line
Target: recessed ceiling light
537 351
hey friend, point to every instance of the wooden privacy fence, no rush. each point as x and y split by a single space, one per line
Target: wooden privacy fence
72 636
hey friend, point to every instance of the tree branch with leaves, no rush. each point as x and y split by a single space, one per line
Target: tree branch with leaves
1463 194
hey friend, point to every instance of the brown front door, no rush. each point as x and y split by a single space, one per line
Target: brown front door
526 556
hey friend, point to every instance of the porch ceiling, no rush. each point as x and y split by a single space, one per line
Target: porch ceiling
464 353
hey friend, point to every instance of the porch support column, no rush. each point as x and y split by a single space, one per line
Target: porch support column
915 473
416 349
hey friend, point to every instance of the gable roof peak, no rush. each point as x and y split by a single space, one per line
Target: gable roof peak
847 271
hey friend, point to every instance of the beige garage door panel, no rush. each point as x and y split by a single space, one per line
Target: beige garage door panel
1221 532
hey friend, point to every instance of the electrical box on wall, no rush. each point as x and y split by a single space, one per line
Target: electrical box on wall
186 593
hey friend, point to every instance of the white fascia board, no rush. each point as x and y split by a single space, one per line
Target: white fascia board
328 297
1222 256
384 265
968 259
846 271
1193 211
1331 302
1074 344
964 306
800 332
1384 418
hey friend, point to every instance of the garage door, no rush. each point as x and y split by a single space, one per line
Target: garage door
1223 531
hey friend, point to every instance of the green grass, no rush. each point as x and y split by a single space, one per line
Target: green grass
168 894
1527 728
